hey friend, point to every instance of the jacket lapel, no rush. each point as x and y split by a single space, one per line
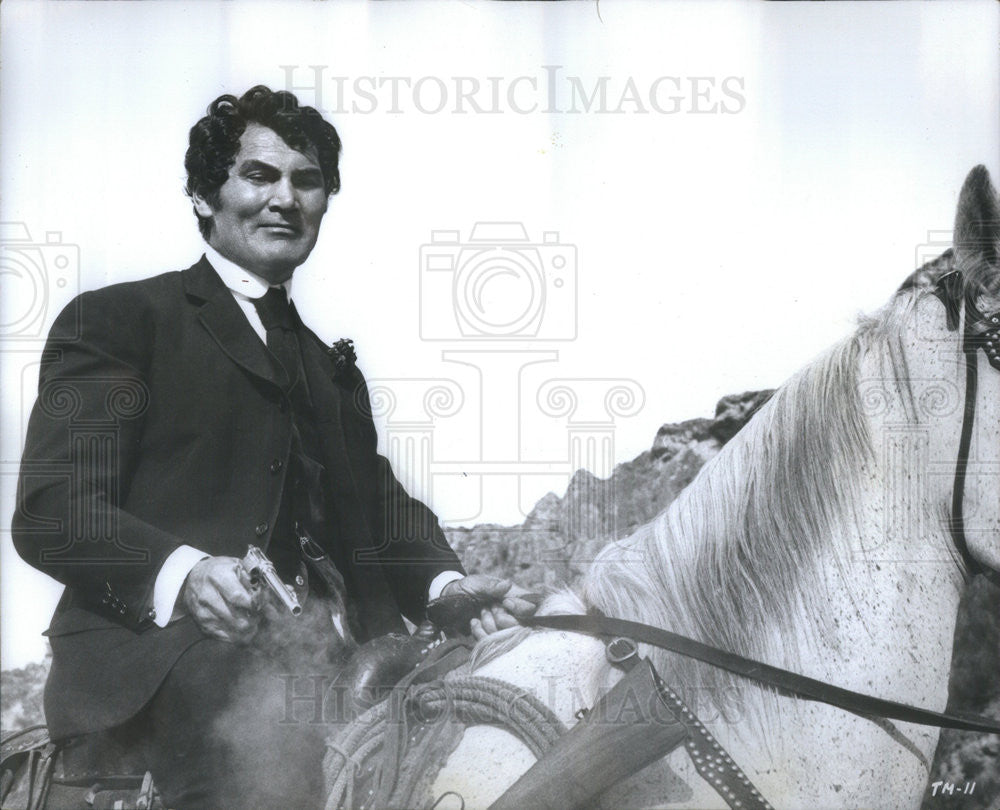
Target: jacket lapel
319 373
226 323
348 475
326 401
338 432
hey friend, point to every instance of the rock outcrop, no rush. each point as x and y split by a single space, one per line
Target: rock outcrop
561 535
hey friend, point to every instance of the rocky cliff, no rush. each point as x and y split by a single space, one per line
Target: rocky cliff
562 534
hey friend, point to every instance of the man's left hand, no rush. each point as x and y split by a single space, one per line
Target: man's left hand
501 597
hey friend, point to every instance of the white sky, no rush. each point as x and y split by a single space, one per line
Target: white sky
713 252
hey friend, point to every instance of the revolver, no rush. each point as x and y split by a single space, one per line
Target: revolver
260 571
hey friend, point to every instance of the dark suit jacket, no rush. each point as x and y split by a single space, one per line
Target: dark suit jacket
160 421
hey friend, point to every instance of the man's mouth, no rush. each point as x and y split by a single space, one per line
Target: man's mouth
280 228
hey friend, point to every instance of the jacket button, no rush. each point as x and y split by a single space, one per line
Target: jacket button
276 465
261 529
151 614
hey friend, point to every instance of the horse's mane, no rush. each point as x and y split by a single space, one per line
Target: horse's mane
741 554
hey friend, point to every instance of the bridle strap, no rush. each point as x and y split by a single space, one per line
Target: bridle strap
957 524
799 686
981 331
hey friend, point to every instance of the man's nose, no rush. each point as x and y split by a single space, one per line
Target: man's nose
282 194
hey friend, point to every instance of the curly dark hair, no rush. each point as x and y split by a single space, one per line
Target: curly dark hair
215 140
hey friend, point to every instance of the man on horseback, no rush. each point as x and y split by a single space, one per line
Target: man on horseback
200 416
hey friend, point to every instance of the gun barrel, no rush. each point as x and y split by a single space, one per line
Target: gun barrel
261 571
281 590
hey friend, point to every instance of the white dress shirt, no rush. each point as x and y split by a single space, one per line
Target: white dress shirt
245 287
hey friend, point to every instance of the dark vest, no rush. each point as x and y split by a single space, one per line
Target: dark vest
304 506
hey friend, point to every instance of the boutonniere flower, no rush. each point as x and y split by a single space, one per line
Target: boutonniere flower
343 355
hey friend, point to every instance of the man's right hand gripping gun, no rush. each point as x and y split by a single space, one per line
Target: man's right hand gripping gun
261 573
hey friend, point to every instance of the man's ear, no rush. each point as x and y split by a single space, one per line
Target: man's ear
201 206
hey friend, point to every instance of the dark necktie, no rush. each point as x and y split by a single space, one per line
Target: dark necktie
303 502
276 315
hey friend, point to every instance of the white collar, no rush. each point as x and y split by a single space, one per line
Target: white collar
239 281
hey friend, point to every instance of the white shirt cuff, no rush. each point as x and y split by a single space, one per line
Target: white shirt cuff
439 582
170 580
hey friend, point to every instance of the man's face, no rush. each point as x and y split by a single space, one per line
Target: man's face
270 207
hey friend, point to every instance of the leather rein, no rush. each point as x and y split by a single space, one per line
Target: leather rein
783 680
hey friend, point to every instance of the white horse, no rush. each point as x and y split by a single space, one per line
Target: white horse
818 541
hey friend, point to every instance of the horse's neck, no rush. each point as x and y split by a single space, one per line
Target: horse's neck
888 628
895 596
892 586
893 580
885 621
888 632
891 599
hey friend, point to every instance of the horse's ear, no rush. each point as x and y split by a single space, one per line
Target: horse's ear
977 223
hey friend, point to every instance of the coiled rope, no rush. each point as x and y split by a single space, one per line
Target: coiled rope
471 700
